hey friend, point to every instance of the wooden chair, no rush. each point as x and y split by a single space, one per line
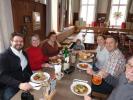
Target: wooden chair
126 42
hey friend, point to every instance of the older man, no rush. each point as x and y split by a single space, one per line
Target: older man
112 69
14 68
123 86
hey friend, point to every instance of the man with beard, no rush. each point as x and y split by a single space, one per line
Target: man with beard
14 68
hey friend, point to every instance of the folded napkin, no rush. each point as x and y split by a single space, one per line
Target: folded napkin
78 80
35 86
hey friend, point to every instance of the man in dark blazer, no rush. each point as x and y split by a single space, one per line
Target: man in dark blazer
15 71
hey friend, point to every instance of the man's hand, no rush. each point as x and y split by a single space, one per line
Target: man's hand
54 57
103 73
25 86
89 71
87 98
46 65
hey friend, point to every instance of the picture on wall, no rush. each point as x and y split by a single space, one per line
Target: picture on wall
27 19
36 21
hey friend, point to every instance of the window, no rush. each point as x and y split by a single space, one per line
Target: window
118 12
87 11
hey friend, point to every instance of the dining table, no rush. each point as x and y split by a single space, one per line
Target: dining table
63 90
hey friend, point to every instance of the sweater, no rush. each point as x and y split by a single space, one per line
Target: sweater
36 58
49 50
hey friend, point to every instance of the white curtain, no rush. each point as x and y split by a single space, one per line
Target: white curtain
62 15
6 24
54 10
70 13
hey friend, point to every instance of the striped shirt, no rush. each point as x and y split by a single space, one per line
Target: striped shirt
116 63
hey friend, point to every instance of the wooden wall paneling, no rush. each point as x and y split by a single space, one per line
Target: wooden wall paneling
22 8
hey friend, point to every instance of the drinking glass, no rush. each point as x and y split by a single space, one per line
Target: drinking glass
96 79
45 91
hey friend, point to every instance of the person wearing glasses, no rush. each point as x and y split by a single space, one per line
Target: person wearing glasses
36 57
114 66
15 71
123 84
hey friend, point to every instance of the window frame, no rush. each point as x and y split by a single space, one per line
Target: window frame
87 5
118 5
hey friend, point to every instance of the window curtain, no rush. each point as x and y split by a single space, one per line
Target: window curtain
128 7
6 24
96 10
70 19
54 6
108 10
48 17
62 15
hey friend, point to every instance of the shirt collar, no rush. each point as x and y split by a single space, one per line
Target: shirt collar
16 52
115 50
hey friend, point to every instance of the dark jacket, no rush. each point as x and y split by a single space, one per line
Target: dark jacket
11 73
123 89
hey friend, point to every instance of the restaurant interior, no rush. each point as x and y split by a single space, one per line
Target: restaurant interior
70 20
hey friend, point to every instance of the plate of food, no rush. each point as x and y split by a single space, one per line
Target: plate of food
40 77
55 61
80 88
83 66
86 57
86 60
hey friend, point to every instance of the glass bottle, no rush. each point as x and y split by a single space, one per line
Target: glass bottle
66 59
65 52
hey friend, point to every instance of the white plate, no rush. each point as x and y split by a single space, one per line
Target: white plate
80 83
78 66
59 62
88 60
36 81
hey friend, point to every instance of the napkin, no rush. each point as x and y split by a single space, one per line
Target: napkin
57 68
79 80
67 59
51 66
35 86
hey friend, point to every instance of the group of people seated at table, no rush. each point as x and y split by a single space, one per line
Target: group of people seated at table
17 65
123 85
117 75
39 56
111 67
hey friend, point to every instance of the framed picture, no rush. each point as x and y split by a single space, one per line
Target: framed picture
36 21
27 19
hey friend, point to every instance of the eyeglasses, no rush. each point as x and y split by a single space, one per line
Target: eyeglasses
16 41
129 65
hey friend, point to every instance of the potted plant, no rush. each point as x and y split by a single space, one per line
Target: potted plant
117 15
